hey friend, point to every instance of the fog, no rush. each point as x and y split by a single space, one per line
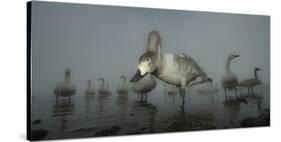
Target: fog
104 41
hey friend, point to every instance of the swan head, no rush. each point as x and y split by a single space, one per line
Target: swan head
258 69
88 81
232 56
67 72
147 64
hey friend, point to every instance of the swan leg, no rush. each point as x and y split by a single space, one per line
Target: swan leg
249 91
235 89
145 97
69 98
182 90
225 92
252 90
182 95
57 99
141 97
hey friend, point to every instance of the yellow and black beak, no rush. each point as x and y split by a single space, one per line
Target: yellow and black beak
137 76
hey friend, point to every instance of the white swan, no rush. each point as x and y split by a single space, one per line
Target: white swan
89 90
107 89
208 90
175 69
104 88
144 86
251 83
123 89
229 79
66 88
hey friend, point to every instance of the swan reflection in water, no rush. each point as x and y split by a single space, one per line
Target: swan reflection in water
232 107
62 110
144 113
122 102
186 120
89 101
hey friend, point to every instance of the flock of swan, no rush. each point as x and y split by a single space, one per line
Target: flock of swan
178 70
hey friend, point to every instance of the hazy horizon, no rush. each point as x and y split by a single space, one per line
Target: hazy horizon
104 41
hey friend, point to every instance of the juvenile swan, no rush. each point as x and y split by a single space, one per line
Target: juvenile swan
89 90
123 89
104 88
144 85
229 79
66 88
175 69
251 83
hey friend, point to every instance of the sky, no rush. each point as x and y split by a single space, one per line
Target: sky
104 41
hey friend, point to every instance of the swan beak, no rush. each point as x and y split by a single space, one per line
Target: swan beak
137 76
236 56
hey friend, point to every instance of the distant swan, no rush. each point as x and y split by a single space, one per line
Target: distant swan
208 90
90 90
144 85
66 88
251 83
123 89
229 79
104 88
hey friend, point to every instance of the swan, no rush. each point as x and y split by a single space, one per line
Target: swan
144 85
104 88
175 69
90 90
251 83
229 79
208 90
123 89
107 89
65 88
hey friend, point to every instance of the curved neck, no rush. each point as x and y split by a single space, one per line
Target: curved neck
227 68
256 74
66 77
102 84
89 84
124 81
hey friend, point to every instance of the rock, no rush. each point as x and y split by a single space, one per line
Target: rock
108 132
262 120
39 134
36 121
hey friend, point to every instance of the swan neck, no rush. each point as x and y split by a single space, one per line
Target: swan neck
67 78
227 68
89 84
256 74
102 84
124 81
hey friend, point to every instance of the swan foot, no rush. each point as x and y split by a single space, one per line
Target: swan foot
182 94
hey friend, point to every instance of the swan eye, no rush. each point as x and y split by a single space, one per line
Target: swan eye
148 59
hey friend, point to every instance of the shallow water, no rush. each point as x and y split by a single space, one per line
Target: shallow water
97 115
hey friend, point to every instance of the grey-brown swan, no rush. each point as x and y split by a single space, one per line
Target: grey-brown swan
90 90
65 88
175 69
229 79
251 83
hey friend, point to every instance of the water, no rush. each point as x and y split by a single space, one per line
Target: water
89 116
